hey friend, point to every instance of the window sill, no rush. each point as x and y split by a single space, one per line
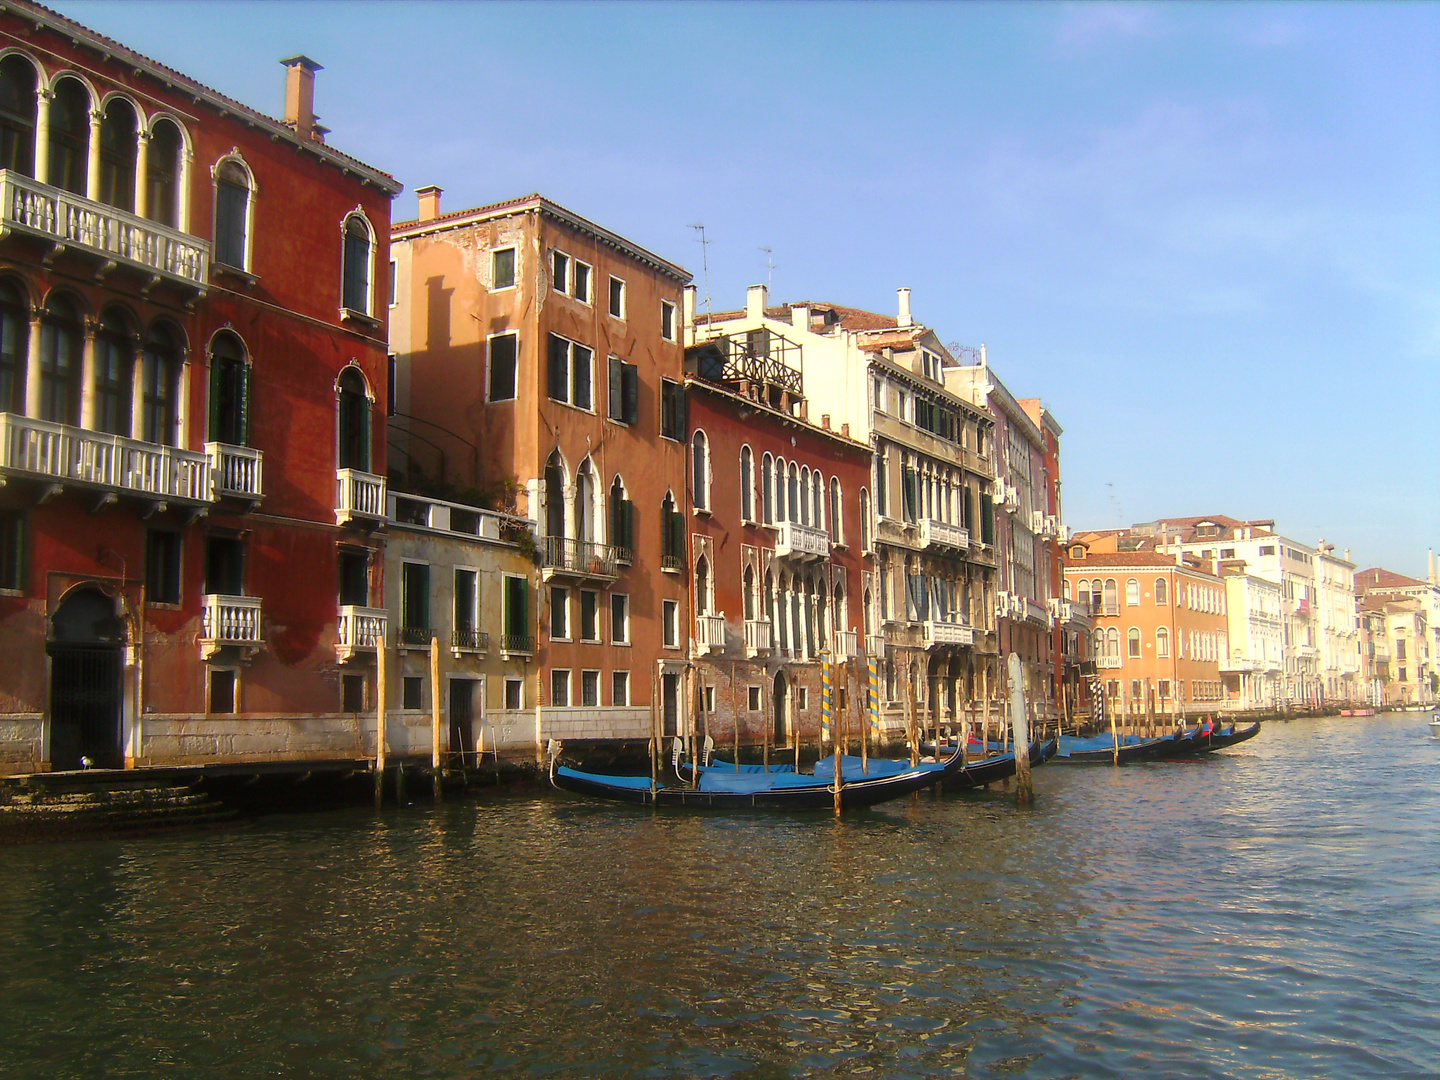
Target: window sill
626 644
588 411
700 511
359 318
243 276
163 605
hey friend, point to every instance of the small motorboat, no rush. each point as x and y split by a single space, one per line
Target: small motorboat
1435 725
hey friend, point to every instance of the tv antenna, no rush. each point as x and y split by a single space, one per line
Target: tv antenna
769 268
704 267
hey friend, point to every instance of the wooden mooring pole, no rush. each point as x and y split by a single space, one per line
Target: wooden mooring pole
435 715
380 661
1020 727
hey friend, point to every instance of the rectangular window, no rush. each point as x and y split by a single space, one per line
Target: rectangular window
559 613
514 694
224 566
617 298
667 320
802 697
352 693
568 373
560 271
670 615
502 268
12 550
222 691
710 699
414 604
620 688
393 277
623 402
389 387
1162 688
590 689
589 616
517 616
619 619
754 701
560 687
467 610
580 281
672 410
412 693
354 575
503 355
162 567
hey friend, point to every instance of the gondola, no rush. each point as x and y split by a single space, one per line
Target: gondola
1101 749
779 788
997 766
1227 736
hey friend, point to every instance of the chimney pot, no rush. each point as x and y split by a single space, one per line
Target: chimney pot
904 319
825 421
300 95
845 430
429 197
755 303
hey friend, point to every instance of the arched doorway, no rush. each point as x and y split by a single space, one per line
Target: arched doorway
780 699
86 669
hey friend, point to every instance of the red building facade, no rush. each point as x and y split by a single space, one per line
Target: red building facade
776 548
192 404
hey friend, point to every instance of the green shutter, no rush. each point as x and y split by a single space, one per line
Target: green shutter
242 404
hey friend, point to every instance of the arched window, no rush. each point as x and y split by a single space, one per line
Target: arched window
792 495
767 491
1133 641
842 617
747 595
160 385
864 519
17 115
114 373
836 533
867 613
817 499
1132 592
1162 591
622 521
702 586
233 196
1112 597
555 496
585 490
359 247
1065 588
747 489
822 623
780 503
60 343
770 608
1097 643
118 129
700 470
804 515
162 173
1162 642
1112 645
14 346
353 413
70 136
672 535
229 391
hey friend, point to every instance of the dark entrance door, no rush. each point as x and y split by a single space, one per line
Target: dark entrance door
670 696
780 700
462 712
86 683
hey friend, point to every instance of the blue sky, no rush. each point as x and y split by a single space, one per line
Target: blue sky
1205 235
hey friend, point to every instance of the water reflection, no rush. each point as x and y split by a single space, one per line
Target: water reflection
1269 914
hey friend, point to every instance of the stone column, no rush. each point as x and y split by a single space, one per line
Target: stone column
32 370
137 392
87 378
42 135
142 173
92 177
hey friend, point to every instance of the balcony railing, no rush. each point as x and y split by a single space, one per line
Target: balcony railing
875 645
798 541
1107 662
359 496
413 637
235 470
672 562
358 629
229 620
577 558
517 643
115 235
948 633
942 534
1031 611
469 641
70 455
710 632
757 637
846 644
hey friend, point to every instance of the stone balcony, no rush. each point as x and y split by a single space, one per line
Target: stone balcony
757 637
796 541
875 645
359 497
230 620
947 633
66 455
935 533
847 645
710 633
561 556
114 237
236 471
358 629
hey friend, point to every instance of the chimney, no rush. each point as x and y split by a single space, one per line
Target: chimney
429 197
755 303
904 319
687 311
825 421
800 317
1347 554
845 430
300 97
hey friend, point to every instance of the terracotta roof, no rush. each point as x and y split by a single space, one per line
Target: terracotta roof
76 31
1129 558
1185 526
849 318
1377 578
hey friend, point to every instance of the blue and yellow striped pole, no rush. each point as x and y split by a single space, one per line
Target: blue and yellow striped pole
874 701
825 699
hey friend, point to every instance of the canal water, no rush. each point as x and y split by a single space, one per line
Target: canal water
1270 912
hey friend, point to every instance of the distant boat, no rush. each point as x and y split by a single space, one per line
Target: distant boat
1435 725
778 788
1226 736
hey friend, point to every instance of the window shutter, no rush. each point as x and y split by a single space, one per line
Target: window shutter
627 524
614 403
214 430
242 408
630 392
987 519
559 361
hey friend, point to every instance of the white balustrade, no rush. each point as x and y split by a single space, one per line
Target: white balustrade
947 633
236 470
357 629
935 533
757 637
358 495
801 541
230 620
66 455
710 632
